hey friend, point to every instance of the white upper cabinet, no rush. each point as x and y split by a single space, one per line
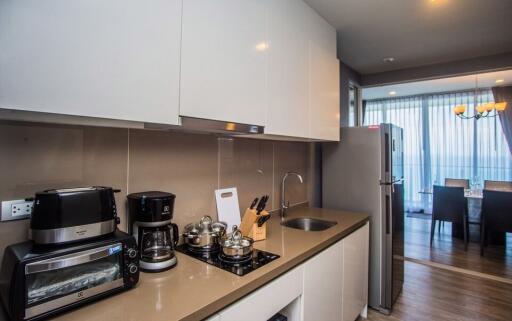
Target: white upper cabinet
303 73
324 98
116 59
288 69
224 60
262 62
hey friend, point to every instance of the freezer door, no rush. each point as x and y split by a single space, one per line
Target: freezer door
392 154
397 153
386 155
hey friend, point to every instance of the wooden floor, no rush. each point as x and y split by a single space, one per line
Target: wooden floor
450 251
432 294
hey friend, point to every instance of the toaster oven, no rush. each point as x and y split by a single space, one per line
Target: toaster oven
37 282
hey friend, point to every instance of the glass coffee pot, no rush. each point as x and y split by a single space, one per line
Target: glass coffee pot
157 243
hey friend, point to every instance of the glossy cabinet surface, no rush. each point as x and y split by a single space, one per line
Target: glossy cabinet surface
288 69
355 273
268 62
303 73
268 300
332 286
323 281
324 93
224 60
117 59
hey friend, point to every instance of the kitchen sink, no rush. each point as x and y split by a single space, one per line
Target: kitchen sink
308 224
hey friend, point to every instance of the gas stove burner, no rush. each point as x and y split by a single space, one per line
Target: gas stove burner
235 260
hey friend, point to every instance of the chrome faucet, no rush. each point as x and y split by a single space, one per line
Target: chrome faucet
285 205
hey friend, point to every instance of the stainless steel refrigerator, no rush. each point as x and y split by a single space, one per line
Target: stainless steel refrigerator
364 173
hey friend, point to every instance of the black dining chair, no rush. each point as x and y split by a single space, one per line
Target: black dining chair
450 205
456 182
503 186
496 214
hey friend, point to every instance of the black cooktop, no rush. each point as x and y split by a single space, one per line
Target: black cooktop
242 267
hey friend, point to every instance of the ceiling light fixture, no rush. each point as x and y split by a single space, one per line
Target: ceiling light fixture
481 110
388 59
392 93
500 81
262 46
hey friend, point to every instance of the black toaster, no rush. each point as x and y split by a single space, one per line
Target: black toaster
73 214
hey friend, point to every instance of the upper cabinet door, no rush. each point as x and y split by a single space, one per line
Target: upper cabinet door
288 69
115 59
224 56
324 75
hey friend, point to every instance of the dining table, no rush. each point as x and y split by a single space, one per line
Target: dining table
468 193
474 197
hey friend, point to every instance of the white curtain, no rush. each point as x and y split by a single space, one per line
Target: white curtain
439 145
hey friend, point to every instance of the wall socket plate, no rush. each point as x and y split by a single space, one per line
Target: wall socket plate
16 210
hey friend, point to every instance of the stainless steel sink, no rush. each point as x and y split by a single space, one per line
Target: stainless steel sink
308 224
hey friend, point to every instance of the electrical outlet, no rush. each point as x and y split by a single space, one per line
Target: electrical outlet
22 209
16 209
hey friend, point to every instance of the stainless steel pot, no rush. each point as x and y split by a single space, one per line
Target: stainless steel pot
236 245
205 234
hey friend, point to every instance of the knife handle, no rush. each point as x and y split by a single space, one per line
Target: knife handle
254 203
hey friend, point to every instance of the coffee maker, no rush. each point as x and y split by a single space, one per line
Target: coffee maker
150 215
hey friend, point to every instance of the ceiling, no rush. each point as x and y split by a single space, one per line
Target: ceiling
416 32
440 85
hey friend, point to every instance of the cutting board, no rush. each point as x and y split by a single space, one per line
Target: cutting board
228 209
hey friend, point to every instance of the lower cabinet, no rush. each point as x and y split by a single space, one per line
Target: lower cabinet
336 280
268 300
355 273
323 280
330 286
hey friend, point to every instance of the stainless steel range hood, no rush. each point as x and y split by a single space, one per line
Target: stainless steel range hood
223 127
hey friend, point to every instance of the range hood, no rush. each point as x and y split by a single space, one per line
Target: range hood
216 126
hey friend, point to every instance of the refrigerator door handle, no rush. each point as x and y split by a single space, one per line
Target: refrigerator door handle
381 182
388 213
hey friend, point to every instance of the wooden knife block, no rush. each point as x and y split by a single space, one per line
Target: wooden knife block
249 226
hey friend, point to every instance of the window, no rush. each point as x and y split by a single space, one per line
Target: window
353 106
438 145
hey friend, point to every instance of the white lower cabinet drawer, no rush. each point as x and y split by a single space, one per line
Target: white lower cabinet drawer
263 303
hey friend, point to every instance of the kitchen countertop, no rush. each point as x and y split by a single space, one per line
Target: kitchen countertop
194 290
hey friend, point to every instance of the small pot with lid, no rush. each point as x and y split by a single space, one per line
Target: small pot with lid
236 245
204 235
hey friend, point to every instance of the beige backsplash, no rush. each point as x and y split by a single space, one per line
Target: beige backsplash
41 156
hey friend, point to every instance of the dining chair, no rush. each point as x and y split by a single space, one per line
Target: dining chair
504 186
457 182
496 214
450 205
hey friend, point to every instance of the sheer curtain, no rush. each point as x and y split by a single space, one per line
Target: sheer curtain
406 113
438 145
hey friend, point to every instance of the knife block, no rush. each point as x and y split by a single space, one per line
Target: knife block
249 226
